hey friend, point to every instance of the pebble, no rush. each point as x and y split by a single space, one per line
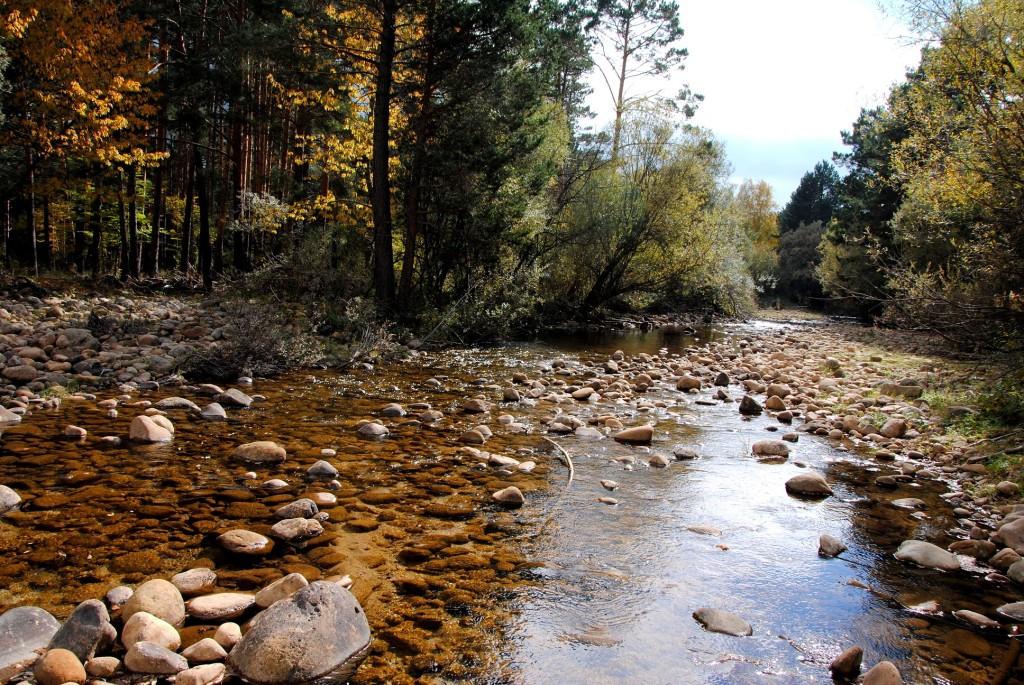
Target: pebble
228 634
927 555
296 529
59 666
509 497
242 541
220 606
146 657
157 597
195 581
206 674
829 546
145 627
204 651
261 452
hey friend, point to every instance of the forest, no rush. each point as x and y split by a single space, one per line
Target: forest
437 158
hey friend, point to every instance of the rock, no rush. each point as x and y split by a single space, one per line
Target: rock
261 452
296 529
228 634
322 470
195 581
146 429
473 437
233 398
883 673
207 674
213 412
511 395
157 597
703 529
771 448
371 429
608 500
909 503
640 435
910 392
75 432
1008 488
21 373
927 555
9 499
242 541
117 596
810 485
1016 571
976 619
658 461
685 453
688 382
609 484
775 403
102 666
780 390
894 428
59 666
1011 534
145 627
509 497
177 403
722 379
8 416
1013 611
220 606
393 409
1004 559
301 508
749 406
979 549
829 546
146 657
85 630
24 634
318 634
725 622
847 665
584 393
281 589
476 406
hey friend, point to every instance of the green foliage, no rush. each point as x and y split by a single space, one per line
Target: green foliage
814 199
799 257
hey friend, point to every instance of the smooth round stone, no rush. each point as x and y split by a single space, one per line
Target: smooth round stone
195 581
220 606
372 430
146 657
296 529
829 546
811 485
157 597
177 403
261 452
242 541
1013 611
274 484
322 469
102 666
300 508
280 589
147 429
638 435
117 596
393 409
658 461
883 673
145 627
847 665
509 497
24 633
228 634
976 619
324 499
927 555
204 651
59 666
770 448
214 412
725 622
318 634
9 499
206 674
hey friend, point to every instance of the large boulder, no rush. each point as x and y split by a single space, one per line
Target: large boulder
770 448
318 634
810 485
24 634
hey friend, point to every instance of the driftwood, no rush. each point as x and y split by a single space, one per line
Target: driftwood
566 458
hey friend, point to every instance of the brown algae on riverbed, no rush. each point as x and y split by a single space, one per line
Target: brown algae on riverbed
566 589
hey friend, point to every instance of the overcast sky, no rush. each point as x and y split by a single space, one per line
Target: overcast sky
782 78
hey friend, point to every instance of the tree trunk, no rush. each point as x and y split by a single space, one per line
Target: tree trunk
122 229
134 248
7 235
620 99
204 219
31 165
186 220
97 229
380 192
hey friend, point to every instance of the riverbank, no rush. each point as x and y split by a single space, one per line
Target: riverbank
414 451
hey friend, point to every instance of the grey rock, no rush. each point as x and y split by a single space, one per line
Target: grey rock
725 622
213 412
177 403
829 546
9 499
86 629
927 555
233 397
322 469
146 657
24 633
301 508
319 634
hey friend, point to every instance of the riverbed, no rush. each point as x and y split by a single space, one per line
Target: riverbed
566 589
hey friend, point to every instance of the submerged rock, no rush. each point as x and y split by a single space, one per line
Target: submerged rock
261 452
318 634
148 429
720 621
242 541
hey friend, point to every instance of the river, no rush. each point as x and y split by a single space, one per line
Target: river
566 589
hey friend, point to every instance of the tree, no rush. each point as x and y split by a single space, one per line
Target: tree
637 39
755 211
813 200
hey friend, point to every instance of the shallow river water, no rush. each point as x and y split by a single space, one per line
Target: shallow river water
566 589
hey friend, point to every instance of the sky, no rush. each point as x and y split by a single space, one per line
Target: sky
782 78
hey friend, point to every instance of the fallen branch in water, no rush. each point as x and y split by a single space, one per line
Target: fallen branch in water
566 458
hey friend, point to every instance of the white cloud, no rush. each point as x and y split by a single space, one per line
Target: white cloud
783 77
